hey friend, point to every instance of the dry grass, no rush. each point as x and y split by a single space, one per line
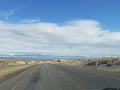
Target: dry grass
8 67
6 71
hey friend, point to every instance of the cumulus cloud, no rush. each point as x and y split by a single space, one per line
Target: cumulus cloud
77 37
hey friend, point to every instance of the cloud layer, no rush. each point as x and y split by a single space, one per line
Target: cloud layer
77 37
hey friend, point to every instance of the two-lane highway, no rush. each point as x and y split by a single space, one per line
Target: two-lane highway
60 77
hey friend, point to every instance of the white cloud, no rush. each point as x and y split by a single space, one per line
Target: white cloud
28 20
6 14
81 37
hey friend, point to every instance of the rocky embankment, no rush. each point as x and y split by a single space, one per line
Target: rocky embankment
104 63
108 64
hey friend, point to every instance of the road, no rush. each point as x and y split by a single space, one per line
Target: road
60 77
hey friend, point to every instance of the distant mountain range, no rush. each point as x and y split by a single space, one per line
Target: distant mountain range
39 56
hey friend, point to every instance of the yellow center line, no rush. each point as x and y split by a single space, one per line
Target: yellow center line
22 80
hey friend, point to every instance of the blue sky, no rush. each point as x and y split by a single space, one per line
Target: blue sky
105 11
100 16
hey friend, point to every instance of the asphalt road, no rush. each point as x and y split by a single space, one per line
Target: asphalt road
60 77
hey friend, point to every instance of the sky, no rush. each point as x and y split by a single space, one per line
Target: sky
60 27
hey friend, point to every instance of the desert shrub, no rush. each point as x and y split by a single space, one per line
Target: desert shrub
92 63
117 63
109 64
58 60
115 59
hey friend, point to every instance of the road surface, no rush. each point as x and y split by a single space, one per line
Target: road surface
60 77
